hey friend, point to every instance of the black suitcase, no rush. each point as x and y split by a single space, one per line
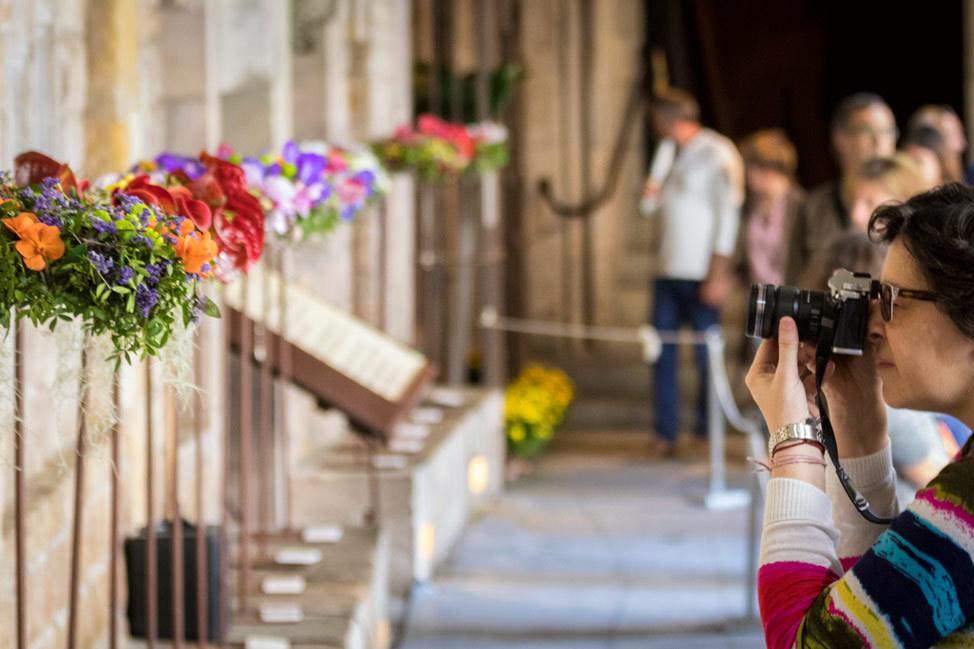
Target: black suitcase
135 563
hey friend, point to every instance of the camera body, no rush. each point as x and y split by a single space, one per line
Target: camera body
839 315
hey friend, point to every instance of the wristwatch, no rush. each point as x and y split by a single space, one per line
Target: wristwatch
810 429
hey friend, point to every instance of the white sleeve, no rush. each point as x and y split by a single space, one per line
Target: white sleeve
658 171
874 478
727 210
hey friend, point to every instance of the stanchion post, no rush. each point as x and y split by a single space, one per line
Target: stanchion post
202 604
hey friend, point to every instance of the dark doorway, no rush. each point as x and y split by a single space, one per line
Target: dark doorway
762 63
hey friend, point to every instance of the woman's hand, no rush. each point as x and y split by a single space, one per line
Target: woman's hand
855 397
775 379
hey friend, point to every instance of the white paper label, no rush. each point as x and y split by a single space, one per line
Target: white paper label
426 415
412 431
390 462
400 445
322 534
447 397
266 642
297 557
284 585
281 613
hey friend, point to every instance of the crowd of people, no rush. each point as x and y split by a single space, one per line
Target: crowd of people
735 215
902 210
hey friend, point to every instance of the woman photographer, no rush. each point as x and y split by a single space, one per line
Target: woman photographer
829 578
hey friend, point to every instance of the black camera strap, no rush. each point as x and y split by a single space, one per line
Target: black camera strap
822 354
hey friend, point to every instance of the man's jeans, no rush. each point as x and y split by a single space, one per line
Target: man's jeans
677 303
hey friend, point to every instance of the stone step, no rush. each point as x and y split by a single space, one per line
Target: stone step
345 599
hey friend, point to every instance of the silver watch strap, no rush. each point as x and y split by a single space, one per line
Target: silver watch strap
810 430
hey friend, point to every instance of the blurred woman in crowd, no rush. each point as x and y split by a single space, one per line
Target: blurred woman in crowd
773 196
927 148
882 180
943 118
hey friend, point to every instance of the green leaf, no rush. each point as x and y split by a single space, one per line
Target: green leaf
210 308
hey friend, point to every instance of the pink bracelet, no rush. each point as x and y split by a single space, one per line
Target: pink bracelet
798 442
773 464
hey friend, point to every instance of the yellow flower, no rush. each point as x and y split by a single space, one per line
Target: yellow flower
516 433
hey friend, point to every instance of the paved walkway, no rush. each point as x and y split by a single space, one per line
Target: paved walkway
600 548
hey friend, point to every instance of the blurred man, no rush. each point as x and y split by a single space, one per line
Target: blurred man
945 121
695 188
863 127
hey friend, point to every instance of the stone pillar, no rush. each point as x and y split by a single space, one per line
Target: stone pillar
253 41
112 56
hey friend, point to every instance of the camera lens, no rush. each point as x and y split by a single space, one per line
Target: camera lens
768 304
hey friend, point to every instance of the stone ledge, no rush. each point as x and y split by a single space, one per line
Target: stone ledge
424 503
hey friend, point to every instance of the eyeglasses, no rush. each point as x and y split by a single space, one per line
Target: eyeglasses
888 294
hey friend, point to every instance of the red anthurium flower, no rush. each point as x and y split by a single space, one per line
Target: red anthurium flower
197 211
239 221
150 194
31 167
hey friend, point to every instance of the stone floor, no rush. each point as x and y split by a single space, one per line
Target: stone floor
599 548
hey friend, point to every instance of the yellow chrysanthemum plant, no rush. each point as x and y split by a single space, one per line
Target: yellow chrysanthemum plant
534 406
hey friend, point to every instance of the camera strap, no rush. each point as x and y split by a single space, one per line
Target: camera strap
822 355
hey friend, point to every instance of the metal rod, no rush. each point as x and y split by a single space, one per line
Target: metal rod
151 594
202 632
265 433
284 369
19 500
383 263
176 545
113 567
79 489
224 567
246 438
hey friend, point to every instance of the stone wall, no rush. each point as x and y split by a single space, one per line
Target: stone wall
100 84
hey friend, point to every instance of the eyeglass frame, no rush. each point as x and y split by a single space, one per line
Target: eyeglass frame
893 291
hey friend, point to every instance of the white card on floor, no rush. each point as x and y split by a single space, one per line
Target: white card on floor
322 534
285 585
426 415
297 557
400 445
266 642
280 613
390 462
411 431
447 397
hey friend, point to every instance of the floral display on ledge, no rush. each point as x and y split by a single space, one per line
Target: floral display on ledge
436 148
308 188
118 262
213 193
535 404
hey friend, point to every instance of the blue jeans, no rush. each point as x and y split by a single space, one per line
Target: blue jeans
677 304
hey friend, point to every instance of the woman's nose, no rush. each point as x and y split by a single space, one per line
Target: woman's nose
876 327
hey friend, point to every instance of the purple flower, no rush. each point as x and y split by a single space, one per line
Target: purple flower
145 299
125 275
104 227
128 202
155 271
101 263
310 167
50 219
291 152
144 240
172 162
50 183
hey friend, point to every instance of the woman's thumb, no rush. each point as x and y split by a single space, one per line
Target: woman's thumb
787 344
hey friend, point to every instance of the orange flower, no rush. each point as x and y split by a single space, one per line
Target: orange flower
195 249
19 224
39 244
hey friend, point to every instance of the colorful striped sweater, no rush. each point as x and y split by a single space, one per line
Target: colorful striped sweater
830 579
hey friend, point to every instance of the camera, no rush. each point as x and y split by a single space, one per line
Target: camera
838 316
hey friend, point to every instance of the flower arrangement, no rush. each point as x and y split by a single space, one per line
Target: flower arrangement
436 148
534 405
309 188
213 193
120 264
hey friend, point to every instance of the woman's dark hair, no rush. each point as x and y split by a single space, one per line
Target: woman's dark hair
937 228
